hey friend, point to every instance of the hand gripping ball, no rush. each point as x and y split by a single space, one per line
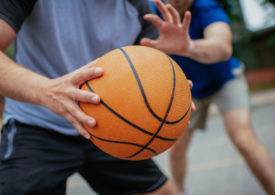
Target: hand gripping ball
145 103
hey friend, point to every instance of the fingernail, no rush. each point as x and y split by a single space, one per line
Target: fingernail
91 122
95 99
98 70
87 136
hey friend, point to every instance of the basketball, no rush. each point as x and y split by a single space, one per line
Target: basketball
145 103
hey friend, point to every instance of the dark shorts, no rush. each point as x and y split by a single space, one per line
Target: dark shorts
34 160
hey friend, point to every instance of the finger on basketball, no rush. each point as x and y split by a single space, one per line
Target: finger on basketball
85 96
82 131
193 107
81 116
83 75
190 83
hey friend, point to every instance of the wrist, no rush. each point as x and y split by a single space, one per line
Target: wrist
41 91
189 50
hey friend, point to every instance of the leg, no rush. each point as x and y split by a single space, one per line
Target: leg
178 160
178 153
237 120
238 125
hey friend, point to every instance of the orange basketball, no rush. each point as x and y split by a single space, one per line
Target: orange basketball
145 103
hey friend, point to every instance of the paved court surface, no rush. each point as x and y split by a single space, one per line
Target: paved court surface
215 168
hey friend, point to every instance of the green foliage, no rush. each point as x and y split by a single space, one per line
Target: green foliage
270 41
231 7
269 1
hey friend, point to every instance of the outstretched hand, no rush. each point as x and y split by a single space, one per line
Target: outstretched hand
174 35
63 93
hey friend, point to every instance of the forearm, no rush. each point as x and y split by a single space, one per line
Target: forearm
215 46
208 51
19 83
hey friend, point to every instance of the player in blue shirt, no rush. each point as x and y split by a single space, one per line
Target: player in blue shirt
202 46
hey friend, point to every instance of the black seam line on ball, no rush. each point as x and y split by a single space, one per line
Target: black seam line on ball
142 90
127 121
120 142
163 121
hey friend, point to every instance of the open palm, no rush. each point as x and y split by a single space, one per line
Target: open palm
174 35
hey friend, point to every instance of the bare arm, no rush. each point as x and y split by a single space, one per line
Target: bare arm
60 95
14 79
174 37
214 47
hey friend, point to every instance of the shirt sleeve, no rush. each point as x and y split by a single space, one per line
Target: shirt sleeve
211 14
14 12
148 29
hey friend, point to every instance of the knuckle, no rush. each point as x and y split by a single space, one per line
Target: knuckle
62 111
79 115
74 111
74 94
69 118
86 96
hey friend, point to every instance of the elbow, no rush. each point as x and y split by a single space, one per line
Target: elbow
227 53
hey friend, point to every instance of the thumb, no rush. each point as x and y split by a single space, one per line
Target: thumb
148 42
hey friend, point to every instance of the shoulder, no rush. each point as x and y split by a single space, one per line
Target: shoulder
202 4
206 7
143 6
148 29
208 12
14 12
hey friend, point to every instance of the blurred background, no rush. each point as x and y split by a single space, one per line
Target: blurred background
253 26
215 166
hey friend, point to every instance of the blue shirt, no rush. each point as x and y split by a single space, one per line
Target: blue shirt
207 78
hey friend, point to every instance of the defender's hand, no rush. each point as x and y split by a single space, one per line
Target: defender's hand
174 35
